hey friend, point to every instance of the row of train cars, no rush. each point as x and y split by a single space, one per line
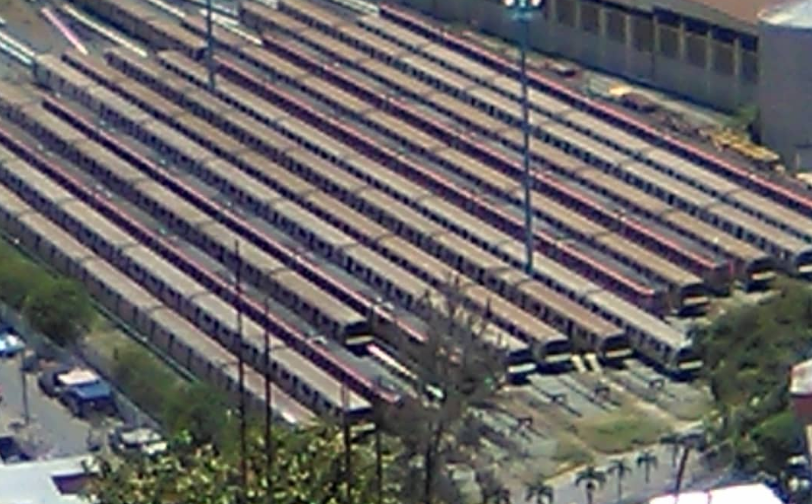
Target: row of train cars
357 166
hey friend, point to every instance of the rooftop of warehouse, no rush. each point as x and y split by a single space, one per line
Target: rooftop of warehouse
43 481
796 13
723 12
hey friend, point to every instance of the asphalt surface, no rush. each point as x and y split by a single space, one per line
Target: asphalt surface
52 431
634 485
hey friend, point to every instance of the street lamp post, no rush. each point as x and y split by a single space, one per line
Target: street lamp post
210 44
522 11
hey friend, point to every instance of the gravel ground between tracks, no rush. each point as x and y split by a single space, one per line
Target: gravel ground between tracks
24 21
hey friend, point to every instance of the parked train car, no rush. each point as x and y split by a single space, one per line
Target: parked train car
687 290
315 353
572 256
182 341
554 349
758 266
756 269
405 288
148 24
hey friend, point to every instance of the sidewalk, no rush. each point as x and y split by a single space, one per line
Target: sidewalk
635 489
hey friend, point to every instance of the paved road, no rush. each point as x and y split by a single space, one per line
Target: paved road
635 488
53 430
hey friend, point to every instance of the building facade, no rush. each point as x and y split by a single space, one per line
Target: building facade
705 50
785 90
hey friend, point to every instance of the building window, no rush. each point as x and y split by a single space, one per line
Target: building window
590 20
566 12
669 42
696 47
615 25
643 34
750 66
723 58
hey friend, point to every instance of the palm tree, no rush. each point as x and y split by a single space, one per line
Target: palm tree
647 460
502 495
688 442
620 469
540 491
675 441
592 478
489 487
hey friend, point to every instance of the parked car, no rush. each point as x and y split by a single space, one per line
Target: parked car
10 344
81 390
48 381
139 440
87 397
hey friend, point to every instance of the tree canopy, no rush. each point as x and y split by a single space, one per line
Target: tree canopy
54 305
749 353
60 309
306 468
460 369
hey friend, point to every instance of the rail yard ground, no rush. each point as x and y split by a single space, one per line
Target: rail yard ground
344 166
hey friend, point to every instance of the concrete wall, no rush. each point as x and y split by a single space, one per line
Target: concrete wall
705 63
786 97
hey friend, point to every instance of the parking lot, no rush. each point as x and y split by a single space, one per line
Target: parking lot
52 430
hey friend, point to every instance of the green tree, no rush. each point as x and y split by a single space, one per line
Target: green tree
18 279
620 469
205 413
592 478
648 461
777 436
307 470
60 309
540 492
454 369
491 489
748 354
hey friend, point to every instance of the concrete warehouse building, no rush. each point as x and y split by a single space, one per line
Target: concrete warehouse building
785 87
715 52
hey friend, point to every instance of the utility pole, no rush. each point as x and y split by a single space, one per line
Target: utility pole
268 440
522 11
378 461
345 421
24 379
241 372
210 44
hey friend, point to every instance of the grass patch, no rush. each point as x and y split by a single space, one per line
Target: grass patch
616 433
570 454
142 376
691 411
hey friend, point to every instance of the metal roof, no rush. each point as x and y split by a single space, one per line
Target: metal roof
735 14
749 494
796 14
801 379
34 481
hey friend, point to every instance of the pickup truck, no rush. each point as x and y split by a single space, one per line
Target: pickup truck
81 390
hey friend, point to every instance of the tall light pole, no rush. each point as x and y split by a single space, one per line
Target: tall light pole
210 44
522 11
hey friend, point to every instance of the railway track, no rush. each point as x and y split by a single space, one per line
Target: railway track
634 129
359 162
